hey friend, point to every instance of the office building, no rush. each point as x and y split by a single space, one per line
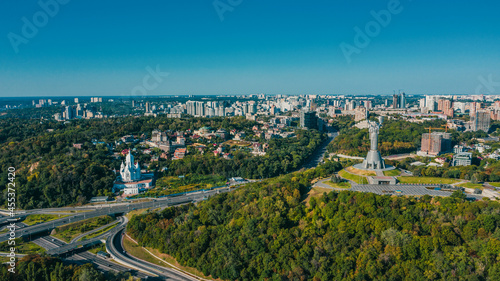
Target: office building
402 100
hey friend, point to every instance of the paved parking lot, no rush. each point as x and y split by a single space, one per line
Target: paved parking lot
410 189
405 189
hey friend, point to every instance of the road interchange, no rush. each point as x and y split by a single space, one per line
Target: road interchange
75 251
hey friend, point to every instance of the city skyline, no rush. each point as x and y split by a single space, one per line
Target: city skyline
249 140
91 48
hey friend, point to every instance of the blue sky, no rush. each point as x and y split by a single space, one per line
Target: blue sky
291 47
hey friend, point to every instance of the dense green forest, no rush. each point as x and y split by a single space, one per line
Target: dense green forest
38 268
108 130
31 113
263 231
396 136
284 156
50 172
342 122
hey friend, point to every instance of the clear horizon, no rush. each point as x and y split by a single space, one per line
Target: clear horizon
248 47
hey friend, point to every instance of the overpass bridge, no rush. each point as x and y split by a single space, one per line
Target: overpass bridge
79 245
10 219
29 231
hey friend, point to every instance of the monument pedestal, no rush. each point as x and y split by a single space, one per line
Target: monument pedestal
373 161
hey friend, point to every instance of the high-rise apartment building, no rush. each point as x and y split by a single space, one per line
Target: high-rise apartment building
222 111
200 108
252 107
395 101
435 143
430 103
402 100
360 113
422 104
308 119
191 108
368 104
69 113
480 120
446 106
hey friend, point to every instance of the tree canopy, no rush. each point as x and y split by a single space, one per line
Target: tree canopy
264 231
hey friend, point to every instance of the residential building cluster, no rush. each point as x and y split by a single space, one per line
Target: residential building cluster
79 111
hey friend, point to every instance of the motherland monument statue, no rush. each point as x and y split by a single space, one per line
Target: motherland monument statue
373 160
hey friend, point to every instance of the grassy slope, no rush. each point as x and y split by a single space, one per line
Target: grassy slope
22 247
34 219
338 185
72 230
100 247
353 170
392 173
97 233
471 185
354 178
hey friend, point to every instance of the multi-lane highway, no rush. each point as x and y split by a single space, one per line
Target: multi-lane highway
115 247
49 243
142 268
93 231
113 209
74 244
315 159
54 211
